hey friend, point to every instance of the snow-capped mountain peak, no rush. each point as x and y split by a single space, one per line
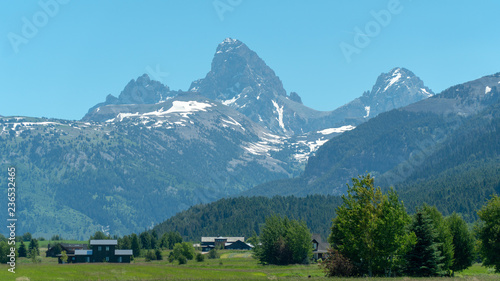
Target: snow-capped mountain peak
396 88
228 45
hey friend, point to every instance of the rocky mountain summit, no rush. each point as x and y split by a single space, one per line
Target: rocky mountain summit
168 150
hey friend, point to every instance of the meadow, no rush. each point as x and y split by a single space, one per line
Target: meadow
233 265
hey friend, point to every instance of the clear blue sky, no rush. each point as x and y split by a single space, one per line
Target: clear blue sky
85 50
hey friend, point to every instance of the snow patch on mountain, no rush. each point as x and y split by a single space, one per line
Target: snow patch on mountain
231 101
122 116
313 146
232 122
336 130
183 108
367 109
395 78
187 107
487 89
259 148
268 142
303 154
425 92
280 115
28 125
273 138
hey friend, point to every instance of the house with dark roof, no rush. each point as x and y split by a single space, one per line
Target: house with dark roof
101 251
54 250
320 248
229 243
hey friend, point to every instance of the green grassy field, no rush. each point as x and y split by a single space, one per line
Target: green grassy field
233 265
45 243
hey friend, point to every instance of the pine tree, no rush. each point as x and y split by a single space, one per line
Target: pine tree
34 246
136 249
154 239
145 238
22 250
444 237
424 259
159 255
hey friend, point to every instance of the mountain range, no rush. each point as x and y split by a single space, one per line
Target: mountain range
411 143
443 151
141 157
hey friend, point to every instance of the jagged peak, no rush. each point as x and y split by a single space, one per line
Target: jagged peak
230 40
228 45
399 71
397 77
143 78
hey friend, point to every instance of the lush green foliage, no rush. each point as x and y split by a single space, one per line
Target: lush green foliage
146 240
463 242
22 250
158 254
64 257
284 241
136 249
184 249
444 237
99 235
182 259
150 255
424 258
200 257
370 228
169 239
489 233
33 246
5 250
213 254
33 255
26 237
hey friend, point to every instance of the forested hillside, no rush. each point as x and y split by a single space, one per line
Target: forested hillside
464 190
463 172
244 216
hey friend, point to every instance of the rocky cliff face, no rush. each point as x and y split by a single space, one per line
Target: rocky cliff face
143 90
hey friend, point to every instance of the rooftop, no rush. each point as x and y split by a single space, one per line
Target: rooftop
83 252
124 252
103 242
229 239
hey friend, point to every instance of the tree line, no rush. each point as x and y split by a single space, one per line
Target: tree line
373 235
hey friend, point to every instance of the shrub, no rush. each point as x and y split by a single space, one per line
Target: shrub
150 255
213 254
182 259
336 264
171 257
200 257
158 254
